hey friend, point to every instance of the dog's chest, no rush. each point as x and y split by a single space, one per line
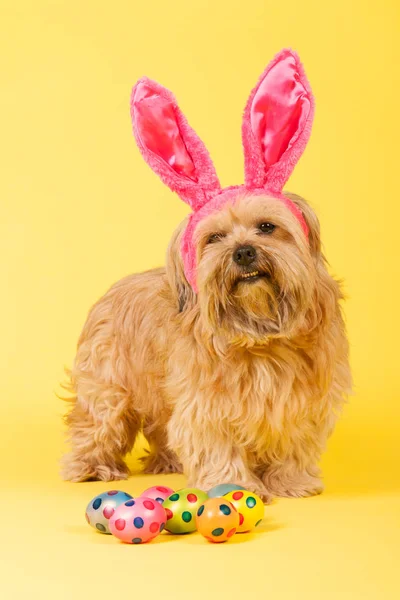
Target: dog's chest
251 398
267 399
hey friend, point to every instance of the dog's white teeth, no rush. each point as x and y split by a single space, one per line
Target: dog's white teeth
253 274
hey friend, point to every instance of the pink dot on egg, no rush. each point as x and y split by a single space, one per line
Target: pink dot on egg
120 524
108 511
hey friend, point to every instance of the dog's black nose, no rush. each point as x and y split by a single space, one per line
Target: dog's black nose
244 255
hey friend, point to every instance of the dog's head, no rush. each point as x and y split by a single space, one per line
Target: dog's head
256 269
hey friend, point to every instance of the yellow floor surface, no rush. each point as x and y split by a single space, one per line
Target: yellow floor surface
343 544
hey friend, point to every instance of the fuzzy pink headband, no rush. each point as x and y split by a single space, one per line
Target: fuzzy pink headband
276 126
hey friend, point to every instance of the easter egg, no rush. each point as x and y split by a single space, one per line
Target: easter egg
181 508
250 508
138 520
101 508
217 520
158 492
222 489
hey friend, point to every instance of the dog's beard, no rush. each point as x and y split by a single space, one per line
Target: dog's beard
269 298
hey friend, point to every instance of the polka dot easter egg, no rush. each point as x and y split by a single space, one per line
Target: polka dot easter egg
217 520
250 508
158 493
102 507
222 489
138 520
181 508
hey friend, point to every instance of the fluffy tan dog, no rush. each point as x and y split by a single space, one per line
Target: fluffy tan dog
242 382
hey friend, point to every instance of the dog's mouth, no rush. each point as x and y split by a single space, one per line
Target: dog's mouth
251 277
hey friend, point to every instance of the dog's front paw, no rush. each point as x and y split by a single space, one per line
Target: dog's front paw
309 486
299 485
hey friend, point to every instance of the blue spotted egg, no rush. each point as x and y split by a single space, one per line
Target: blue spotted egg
101 508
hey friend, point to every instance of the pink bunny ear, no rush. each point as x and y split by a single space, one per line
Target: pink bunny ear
277 123
170 146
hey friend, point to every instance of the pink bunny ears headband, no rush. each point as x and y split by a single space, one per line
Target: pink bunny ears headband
276 126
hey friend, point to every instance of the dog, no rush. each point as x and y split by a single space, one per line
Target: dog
243 382
236 371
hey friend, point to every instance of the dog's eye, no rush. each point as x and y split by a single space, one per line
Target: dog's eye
266 227
215 237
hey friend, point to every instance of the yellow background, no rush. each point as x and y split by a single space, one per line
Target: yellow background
79 209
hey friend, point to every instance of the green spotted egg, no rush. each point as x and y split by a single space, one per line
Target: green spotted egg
181 508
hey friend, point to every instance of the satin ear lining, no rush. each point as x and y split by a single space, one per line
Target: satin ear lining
279 110
277 122
158 129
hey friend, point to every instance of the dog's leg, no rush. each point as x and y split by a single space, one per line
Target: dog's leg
102 429
296 473
160 458
210 458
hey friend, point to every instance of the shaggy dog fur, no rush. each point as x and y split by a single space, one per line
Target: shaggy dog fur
242 382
